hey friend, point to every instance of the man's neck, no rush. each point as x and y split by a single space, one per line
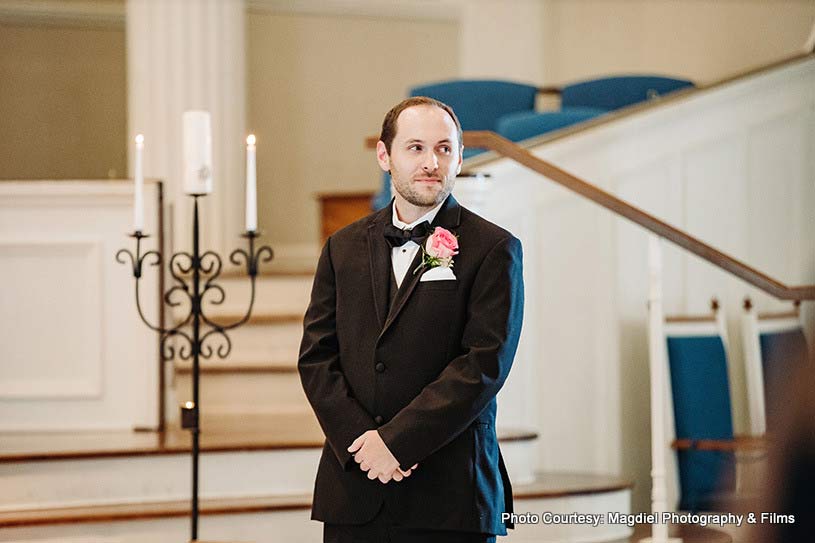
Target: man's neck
408 212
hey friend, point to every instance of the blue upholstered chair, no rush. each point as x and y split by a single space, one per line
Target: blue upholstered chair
612 93
775 348
528 124
700 388
708 452
477 103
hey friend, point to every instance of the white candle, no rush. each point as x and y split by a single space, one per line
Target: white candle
251 186
197 152
138 198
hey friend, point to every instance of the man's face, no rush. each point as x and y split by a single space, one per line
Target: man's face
425 155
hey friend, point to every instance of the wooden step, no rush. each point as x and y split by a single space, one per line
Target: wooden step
294 431
559 484
226 317
260 342
216 366
275 269
288 431
232 393
153 510
690 533
550 485
227 366
286 295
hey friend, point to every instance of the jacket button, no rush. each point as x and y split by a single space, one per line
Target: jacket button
380 367
378 419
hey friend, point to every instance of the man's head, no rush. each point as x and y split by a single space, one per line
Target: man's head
421 145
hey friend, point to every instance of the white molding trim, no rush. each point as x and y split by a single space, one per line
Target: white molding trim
419 10
62 13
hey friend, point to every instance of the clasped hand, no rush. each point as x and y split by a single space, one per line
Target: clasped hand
373 456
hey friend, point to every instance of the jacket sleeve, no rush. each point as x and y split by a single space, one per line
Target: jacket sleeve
450 403
340 415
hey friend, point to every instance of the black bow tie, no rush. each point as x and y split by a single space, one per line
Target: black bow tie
397 237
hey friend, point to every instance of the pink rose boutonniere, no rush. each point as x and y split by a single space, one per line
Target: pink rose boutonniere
439 249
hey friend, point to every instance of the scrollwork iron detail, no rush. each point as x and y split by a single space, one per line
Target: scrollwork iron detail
182 266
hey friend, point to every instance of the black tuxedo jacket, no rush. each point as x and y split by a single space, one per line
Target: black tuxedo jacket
423 370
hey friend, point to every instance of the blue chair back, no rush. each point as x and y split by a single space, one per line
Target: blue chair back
480 103
701 397
528 124
612 93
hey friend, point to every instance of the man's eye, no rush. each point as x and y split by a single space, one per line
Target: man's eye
415 147
445 149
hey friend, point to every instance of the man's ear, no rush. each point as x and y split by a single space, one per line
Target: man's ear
382 156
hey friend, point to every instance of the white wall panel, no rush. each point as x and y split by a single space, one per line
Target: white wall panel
46 269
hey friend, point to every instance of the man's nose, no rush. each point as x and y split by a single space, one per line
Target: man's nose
431 162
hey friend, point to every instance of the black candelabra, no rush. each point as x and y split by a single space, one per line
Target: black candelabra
196 331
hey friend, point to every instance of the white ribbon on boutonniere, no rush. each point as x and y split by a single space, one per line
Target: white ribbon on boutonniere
438 250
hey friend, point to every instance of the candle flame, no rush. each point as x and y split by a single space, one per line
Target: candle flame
250 139
139 139
189 405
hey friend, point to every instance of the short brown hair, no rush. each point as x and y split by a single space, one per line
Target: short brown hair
389 124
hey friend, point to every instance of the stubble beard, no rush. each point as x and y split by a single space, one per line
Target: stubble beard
420 199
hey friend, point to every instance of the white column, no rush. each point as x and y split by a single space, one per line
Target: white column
501 42
186 55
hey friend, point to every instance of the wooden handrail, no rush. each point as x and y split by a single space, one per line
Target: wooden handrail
508 149
738 443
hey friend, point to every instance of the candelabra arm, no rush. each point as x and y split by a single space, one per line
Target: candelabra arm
141 313
137 262
239 257
223 327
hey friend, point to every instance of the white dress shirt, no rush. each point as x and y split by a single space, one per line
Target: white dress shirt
401 257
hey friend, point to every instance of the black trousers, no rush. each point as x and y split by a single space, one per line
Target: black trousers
382 529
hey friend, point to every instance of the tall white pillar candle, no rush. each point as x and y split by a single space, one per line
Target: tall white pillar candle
197 152
251 186
138 195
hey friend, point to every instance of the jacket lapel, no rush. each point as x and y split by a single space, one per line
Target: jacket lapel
448 217
379 253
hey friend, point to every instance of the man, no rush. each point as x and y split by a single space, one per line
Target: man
411 330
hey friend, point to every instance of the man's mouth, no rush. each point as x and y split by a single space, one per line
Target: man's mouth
428 180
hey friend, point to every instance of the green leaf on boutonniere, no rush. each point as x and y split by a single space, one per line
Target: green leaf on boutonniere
431 262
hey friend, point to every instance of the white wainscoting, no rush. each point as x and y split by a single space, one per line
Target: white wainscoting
734 166
74 353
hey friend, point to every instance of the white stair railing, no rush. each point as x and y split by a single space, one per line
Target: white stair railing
658 362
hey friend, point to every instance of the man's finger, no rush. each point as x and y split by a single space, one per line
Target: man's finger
384 478
372 475
364 466
414 467
397 476
356 444
405 473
